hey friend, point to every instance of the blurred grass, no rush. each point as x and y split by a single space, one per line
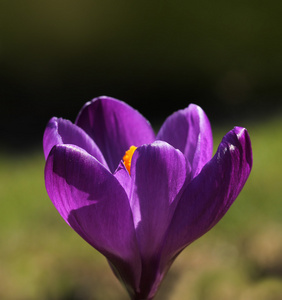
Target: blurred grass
241 258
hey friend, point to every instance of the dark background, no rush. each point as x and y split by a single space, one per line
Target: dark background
158 56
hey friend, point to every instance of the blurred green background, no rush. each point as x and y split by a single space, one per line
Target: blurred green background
158 56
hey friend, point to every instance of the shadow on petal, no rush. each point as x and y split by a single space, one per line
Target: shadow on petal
105 235
209 196
95 205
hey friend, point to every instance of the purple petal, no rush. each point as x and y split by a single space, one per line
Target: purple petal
114 126
208 197
94 204
189 131
60 131
158 173
122 175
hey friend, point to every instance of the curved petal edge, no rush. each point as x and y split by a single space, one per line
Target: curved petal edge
114 126
95 205
189 130
208 196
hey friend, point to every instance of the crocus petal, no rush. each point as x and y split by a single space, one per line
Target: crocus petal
189 131
208 197
114 126
158 172
94 204
60 131
122 175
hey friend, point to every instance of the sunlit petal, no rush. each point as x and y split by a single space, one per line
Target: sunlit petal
114 126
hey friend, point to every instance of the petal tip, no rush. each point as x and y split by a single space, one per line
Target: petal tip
245 140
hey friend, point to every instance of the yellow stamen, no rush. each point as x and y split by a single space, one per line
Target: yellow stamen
127 157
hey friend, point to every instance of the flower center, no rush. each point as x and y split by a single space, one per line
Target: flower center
127 157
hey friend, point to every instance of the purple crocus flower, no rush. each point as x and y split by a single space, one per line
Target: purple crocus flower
140 210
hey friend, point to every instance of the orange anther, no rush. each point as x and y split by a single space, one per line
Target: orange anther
128 156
